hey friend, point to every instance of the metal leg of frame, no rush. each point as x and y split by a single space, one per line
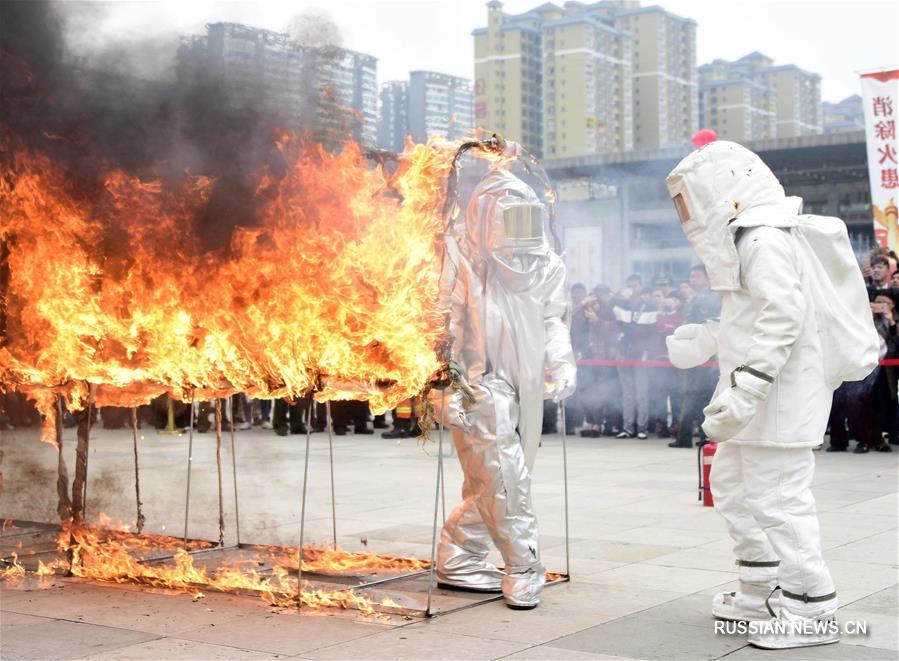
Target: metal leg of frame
218 466
234 477
190 459
303 511
140 515
331 452
432 578
565 486
64 505
452 453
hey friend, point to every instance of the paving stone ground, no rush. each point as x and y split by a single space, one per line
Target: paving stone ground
645 556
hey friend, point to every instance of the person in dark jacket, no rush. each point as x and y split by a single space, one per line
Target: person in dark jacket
879 402
636 317
698 383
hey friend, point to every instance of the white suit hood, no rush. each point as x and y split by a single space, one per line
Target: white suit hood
716 190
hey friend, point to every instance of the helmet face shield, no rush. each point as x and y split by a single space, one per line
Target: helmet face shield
517 226
704 213
683 210
523 225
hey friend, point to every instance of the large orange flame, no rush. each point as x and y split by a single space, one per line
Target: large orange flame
335 287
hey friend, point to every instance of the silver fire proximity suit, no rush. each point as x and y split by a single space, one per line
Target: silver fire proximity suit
773 398
507 305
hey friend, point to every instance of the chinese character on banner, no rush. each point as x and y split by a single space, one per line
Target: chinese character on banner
880 90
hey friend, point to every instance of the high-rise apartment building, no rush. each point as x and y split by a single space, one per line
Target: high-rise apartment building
429 104
733 104
254 67
847 115
508 67
796 92
666 91
587 83
582 79
393 120
351 80
439 104
331 91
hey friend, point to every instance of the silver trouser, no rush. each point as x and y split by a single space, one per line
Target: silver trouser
464 546
496 502
765 496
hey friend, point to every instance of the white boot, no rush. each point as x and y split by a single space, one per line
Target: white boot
789 630
521 591
740 607
748 603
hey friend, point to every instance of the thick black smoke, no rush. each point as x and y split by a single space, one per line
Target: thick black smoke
89 120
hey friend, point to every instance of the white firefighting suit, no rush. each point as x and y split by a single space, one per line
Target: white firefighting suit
507 305
773 398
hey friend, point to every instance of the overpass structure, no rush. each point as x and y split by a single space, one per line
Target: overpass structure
615 216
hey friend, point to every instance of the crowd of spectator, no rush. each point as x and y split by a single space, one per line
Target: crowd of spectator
626 388
867 410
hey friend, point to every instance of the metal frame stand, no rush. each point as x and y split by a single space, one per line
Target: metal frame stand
439 505
64 505
139 521
331 454
190 460
565 488
432 577
299 596
234 474
218 467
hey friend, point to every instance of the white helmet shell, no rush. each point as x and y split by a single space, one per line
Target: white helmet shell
713 187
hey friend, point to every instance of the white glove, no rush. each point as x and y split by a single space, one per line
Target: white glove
729 413
691 345
564 382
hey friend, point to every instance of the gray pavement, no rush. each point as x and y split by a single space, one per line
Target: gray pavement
646 557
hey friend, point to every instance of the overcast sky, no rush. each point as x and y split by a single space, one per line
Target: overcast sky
835 38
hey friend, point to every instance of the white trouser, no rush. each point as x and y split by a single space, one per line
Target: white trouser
765 496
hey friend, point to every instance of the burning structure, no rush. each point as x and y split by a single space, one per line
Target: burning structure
172 242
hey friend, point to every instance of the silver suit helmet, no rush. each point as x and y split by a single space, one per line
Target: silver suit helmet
713 187
518 225
506 221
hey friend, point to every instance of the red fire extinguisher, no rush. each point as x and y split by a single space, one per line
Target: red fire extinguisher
704 456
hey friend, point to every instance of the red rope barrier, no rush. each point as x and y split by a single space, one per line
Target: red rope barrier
598 362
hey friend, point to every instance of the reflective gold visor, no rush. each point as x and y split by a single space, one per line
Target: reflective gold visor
523 221
683 211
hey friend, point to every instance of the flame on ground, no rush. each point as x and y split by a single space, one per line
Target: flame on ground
324 559
114 555
13 569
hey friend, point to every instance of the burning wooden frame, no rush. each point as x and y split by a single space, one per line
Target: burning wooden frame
133 361
284 576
